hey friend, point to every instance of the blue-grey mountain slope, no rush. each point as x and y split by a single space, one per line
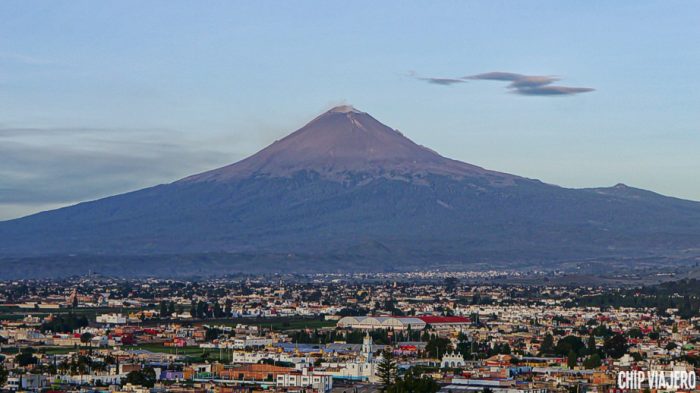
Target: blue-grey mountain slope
347 192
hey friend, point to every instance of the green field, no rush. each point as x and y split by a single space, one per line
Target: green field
57 350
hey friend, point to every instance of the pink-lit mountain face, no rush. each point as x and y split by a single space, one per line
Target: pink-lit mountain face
342 143
347 193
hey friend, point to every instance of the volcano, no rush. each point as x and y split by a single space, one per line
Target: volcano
344 142
346 193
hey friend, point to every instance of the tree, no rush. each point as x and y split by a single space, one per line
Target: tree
218 311
547 347
592 361
163 309
437 346
571 359
228 307
3 375
591 345
414 383
201 310
25 358
615 346
145 377
635 333
171 307
86 338
500 348
451 283
602 330
64 324
212 334
464 348
568 344
387 370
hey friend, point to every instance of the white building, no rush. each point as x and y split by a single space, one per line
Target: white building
241 357
32 382
306 379
241 343
452 360
372 323
111 319
99 341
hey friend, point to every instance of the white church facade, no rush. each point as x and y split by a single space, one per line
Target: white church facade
452 360
363 368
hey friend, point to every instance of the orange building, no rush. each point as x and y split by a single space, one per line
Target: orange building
257 372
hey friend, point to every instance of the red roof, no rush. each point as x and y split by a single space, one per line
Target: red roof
431 319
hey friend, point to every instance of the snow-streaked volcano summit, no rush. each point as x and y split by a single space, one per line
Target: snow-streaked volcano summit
341 143
347 193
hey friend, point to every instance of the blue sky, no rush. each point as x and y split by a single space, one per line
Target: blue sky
98 98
